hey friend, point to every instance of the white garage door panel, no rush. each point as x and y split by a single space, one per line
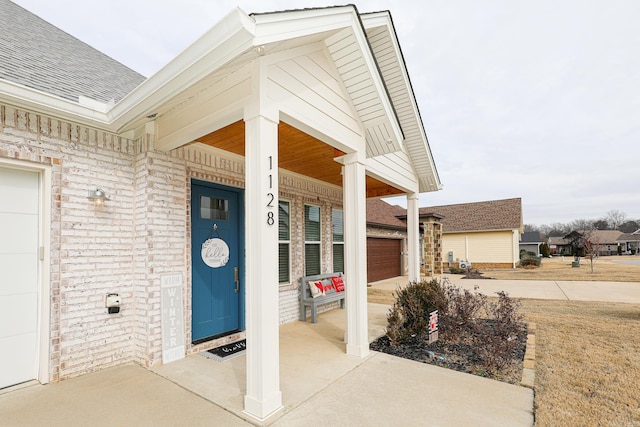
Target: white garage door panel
19 233
19 283
17 269
12 318
18 194
16 368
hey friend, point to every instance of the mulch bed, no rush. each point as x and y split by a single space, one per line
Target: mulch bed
462 355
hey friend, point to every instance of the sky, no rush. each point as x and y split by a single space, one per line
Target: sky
532 99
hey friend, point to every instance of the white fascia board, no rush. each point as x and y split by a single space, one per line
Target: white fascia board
224 42
383 19
37 101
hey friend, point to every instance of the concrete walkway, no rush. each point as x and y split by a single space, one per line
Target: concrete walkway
321 386
628 292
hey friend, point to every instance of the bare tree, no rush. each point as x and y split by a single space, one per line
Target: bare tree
581 224
615 218
591 247
630 226
556 229
601 224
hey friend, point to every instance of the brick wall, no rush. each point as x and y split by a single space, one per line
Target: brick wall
128 243
90 252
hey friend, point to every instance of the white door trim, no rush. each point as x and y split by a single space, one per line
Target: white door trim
44 242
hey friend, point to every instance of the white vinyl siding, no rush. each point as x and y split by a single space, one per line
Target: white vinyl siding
481 247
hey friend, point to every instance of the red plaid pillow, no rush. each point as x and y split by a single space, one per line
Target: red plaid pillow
338 283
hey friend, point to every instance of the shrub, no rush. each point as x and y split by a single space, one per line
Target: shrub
463 307
545 251
497 347
493 328
409 315
530 261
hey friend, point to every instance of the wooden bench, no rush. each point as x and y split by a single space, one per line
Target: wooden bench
307 300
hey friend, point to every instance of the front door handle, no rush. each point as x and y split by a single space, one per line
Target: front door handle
236 279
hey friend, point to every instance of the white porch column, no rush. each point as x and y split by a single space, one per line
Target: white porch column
413 236
263 396
355 242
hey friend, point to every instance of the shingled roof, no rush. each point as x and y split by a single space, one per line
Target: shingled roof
479 216
530 237
38 55
382 214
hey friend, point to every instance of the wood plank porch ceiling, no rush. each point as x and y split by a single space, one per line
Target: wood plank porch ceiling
297 152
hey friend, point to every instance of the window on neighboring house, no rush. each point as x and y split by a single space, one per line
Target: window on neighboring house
312 240
337 233
284 242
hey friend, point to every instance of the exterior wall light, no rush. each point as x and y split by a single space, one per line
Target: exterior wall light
98 196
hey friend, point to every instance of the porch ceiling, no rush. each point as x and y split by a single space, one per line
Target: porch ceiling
298 152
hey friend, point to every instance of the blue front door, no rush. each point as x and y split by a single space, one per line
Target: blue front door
216 215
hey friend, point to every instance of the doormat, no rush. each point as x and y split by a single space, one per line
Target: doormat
227 351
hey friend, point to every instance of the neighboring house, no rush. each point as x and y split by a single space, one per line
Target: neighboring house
485 233
629 242
530 241
559 246
603 242
241 166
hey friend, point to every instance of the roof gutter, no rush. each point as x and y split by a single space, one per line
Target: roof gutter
93 114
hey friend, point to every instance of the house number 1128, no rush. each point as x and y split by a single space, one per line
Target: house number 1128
270 215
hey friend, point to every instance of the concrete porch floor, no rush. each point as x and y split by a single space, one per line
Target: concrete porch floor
320 384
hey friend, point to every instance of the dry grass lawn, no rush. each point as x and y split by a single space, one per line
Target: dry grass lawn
587 363
605 269
587 353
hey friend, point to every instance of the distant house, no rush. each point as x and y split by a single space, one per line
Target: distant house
559 245
530 241
604 242
485 233
629 242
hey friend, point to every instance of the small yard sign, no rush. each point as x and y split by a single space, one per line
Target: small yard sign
433 326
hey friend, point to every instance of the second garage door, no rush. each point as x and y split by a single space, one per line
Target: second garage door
19 221
383 258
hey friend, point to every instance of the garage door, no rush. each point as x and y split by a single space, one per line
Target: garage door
19 224
383 258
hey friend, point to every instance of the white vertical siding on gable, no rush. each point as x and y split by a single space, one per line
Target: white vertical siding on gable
307 88
365 93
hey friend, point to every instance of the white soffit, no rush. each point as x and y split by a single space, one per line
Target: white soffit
384 43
